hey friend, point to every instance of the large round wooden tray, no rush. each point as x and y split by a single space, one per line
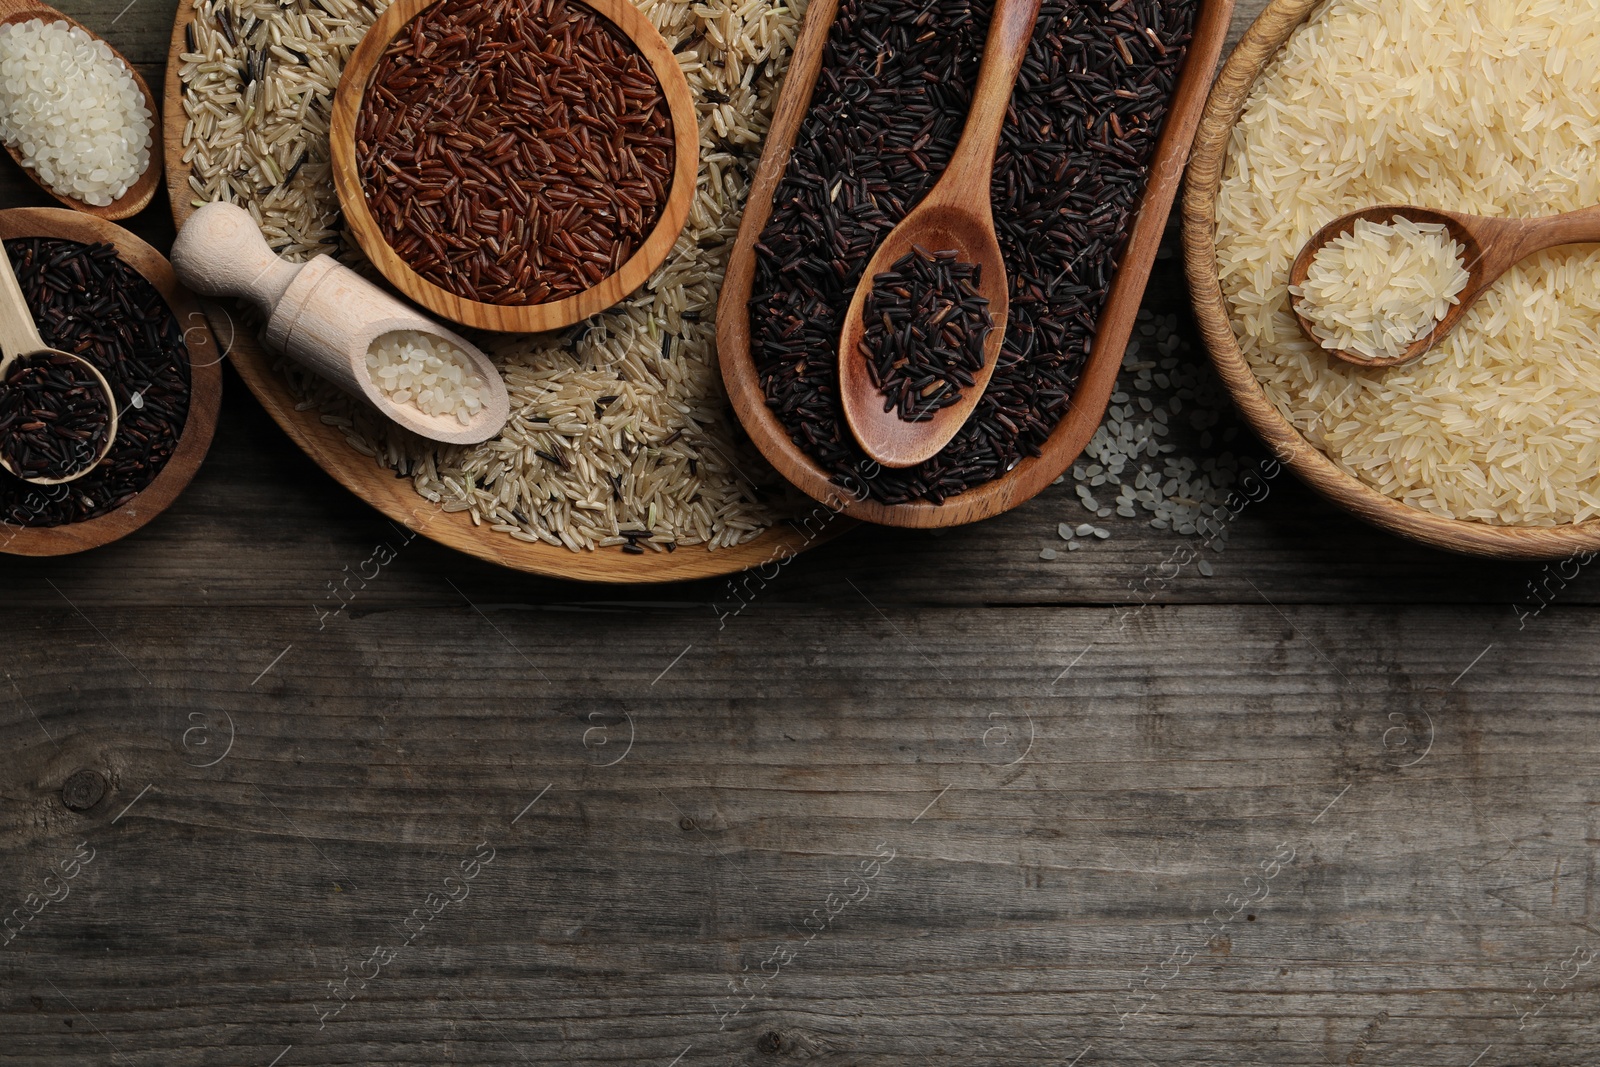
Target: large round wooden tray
1261 43
1099 375
205 385
393 496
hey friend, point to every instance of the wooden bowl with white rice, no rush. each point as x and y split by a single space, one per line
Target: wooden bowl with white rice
62 85
1490 444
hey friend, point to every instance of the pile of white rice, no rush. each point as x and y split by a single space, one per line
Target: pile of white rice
1377 290
429 373
72 109
625 430
1489 108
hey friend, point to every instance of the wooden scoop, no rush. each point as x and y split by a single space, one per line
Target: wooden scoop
954 215
1490 248
19 338
325 316
140 193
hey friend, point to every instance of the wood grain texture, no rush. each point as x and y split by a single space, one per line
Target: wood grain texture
205 385
1052 846
534 318
1276 23
1100 371
391 496
143 191
871 692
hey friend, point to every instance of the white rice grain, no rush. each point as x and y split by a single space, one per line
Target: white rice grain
1487 108
1380 288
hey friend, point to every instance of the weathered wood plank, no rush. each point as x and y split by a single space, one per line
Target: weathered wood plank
1438 866
1244 13
1071 794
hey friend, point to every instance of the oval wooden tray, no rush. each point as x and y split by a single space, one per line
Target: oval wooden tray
1099 373
1260 44
393 496
139 195
531 318
205 385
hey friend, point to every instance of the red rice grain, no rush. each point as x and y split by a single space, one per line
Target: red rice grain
514 152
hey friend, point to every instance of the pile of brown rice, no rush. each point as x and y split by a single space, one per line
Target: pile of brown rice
1490 108
620 432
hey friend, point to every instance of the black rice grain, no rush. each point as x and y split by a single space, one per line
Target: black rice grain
88 302
54 416
886 112
924 325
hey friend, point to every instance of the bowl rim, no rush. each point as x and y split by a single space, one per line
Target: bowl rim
356 79
205 385
1259 46
1114 327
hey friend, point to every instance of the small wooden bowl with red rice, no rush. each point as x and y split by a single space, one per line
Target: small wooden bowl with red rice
569 240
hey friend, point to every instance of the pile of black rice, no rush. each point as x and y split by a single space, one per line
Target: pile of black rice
925 323
887 110
88 302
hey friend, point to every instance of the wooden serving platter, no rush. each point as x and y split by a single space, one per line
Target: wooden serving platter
393 496
139 195
1271 30
205 385
1099 374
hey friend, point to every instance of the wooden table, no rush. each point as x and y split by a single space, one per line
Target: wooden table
925 800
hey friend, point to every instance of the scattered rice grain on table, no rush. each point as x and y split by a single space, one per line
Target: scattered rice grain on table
620 433
1490 108
1166 452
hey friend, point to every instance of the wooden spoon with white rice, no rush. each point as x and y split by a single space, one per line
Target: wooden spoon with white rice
1382 286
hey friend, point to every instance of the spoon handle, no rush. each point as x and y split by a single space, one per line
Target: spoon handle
18 334
1573 227
1010 29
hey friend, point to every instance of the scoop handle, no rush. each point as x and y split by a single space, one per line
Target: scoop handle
220 252
18 334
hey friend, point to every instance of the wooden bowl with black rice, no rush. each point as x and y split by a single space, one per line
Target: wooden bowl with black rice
101 293
1087 171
